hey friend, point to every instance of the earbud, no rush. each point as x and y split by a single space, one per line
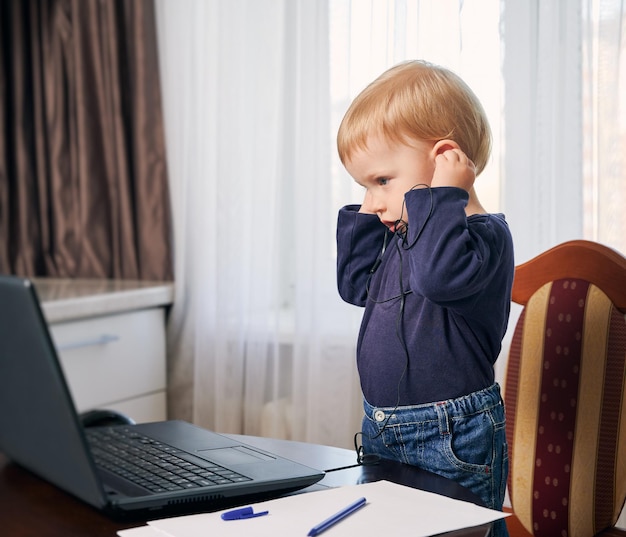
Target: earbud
401 228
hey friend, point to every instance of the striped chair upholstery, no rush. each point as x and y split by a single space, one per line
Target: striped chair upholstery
565 393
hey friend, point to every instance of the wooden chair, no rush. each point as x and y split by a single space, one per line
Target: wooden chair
565 393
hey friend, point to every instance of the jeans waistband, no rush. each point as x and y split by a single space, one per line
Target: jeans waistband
466 405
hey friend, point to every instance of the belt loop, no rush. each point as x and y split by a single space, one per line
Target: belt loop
442 414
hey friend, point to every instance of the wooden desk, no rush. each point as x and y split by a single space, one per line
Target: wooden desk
30 507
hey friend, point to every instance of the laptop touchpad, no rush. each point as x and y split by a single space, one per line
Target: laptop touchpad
233 455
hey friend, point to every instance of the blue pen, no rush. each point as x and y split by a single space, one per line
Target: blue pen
331 521
242 514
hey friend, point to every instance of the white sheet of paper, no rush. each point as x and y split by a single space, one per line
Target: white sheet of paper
410 512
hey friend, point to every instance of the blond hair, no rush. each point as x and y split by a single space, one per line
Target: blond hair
416 100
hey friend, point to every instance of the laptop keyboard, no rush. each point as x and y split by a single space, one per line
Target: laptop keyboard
152 464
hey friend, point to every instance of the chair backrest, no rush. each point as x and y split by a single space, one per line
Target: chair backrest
565 391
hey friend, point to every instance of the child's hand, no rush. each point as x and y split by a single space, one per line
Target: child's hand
366 205
453 168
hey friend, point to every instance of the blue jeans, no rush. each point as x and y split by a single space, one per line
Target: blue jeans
462 439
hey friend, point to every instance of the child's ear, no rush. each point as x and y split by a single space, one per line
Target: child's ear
444 145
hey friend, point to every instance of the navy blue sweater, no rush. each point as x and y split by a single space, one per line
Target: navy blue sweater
437 305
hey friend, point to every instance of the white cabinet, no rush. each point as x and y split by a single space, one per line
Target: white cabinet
111 341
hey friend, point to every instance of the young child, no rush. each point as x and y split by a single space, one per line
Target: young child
434 271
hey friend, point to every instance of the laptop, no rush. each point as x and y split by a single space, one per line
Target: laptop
176 467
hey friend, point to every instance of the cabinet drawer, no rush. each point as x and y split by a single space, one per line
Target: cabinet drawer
112 358
144 409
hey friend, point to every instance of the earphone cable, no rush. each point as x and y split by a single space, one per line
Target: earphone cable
363 458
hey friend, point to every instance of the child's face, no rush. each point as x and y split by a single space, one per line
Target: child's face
388 171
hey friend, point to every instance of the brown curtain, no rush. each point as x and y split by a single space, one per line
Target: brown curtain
83 181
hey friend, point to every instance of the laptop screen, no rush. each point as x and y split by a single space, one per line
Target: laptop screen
39 427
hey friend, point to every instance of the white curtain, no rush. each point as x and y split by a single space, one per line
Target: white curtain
543 172
253 91
564 173
604 121
564 71
259 341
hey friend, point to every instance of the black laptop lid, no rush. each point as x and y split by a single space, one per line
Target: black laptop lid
39 427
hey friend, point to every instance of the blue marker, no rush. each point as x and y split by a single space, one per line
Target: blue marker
331 521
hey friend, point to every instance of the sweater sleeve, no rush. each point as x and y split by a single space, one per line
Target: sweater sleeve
360 239
453 258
